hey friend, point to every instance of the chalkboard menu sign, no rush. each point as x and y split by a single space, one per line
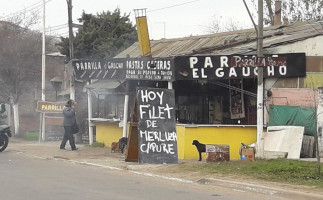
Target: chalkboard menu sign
157 138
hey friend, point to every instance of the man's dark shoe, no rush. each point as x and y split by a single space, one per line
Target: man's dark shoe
75 149
62 148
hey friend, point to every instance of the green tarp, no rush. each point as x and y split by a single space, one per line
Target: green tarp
293 116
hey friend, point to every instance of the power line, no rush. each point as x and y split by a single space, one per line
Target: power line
38 6
58 27
65 34
23 10
173 6
17 13
32 7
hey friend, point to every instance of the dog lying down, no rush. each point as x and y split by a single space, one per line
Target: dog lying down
200 148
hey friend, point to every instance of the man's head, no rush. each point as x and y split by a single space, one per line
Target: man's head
70 103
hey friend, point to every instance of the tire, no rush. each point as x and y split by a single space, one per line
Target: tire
4 140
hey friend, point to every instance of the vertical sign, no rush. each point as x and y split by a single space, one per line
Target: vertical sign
157 138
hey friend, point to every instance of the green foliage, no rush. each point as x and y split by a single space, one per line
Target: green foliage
32 136
64 46
98 144
102 35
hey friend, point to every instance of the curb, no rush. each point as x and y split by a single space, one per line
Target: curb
292 193
238 186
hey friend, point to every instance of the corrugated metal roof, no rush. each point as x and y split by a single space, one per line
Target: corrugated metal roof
235 42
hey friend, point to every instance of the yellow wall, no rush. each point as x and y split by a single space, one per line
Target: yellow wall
180 141
230 135
108 132
313 80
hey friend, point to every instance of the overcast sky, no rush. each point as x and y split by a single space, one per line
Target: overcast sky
166 18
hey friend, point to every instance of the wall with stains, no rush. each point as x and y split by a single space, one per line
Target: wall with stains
311 46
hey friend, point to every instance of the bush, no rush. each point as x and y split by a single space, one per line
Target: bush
98 144
32 136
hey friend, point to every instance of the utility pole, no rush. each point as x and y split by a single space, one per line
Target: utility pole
71 50
43 56
43 86
260 91
71 47
70 28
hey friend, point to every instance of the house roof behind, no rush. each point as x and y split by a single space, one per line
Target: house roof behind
227 43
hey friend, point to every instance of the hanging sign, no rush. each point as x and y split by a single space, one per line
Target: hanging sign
239 66
155 69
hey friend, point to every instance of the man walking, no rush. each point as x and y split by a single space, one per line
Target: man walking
69 121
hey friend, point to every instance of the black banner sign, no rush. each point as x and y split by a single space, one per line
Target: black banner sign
157 138
156 69
239 66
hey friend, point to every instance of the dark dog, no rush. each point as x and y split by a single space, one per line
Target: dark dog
200 148
123 144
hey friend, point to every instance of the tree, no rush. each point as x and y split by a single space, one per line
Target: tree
102 35
20 60
293 10
219 24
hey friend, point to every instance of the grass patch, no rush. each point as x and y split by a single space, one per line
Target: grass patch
277 170
98 144
32 136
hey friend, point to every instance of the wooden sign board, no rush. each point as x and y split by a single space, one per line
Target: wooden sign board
157 137
50 107
54 121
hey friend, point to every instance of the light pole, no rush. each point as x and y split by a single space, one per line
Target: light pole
43 86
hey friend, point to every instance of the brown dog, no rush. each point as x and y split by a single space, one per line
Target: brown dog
115 147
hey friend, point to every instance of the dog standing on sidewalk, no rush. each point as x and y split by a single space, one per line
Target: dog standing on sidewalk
115 147
200 148
123 144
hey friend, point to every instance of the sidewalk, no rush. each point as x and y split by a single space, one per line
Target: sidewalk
86 154
103 158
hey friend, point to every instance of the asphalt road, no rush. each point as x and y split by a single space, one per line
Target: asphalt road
25 177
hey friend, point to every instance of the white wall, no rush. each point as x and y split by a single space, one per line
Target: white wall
311 46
